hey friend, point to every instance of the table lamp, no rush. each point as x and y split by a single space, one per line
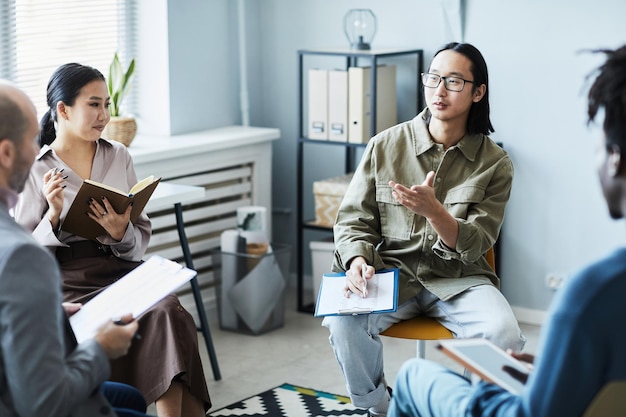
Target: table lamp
359 26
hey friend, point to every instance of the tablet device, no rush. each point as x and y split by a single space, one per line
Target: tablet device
486 360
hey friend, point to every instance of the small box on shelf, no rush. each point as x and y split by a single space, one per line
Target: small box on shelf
328 195
322 253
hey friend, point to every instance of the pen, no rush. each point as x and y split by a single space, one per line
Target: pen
119 322
363 271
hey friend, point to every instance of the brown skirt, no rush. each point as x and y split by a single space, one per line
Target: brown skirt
168 348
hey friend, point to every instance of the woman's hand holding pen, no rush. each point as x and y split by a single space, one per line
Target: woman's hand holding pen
53 185
105 215
357 276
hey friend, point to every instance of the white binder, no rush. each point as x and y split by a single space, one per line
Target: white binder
359 101
318 104
338 105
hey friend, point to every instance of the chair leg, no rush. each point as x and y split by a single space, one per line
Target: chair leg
421 349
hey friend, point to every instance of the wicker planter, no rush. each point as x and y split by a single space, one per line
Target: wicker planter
121 129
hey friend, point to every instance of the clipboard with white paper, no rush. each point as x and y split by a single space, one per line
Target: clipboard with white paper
134 293
382 295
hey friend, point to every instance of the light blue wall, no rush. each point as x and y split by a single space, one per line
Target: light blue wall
203 65
556 220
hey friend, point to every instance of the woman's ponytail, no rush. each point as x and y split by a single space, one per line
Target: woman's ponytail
47 133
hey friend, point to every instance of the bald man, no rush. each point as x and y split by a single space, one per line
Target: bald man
43 371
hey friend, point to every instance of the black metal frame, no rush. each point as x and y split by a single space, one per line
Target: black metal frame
352 57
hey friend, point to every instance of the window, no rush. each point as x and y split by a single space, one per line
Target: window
37 36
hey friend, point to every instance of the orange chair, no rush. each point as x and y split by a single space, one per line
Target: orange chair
610 401
422 328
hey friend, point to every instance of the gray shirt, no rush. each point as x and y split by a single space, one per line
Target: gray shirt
473 181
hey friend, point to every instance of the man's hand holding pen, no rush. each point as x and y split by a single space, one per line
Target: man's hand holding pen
115 337
120 322
357 276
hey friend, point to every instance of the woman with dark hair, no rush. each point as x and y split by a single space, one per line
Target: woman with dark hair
428 197
165 364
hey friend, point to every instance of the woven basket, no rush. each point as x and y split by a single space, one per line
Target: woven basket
121 129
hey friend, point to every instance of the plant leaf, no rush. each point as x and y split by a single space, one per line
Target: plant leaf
129 73
119 82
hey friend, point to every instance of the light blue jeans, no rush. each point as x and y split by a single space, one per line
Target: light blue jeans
480 311
427 389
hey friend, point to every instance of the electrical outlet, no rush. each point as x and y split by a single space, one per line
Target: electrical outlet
554 281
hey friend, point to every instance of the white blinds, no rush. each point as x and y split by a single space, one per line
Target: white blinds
36 36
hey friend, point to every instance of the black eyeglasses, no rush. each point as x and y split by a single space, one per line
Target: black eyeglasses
450 83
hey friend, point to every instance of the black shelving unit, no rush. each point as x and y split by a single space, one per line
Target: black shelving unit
352 58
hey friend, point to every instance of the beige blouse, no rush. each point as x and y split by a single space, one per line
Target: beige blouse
112 165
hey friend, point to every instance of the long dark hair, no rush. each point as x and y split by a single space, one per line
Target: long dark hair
608 92
64 85
478 120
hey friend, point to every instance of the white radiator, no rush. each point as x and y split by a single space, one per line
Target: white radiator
234 167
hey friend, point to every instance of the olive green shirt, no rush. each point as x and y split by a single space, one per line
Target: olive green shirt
473 181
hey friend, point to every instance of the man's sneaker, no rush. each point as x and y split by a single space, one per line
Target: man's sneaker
372 413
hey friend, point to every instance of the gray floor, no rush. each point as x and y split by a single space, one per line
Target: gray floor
297 353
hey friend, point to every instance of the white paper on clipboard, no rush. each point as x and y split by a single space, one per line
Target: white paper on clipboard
382 295
134 293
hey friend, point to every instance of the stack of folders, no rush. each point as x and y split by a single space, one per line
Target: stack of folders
339 103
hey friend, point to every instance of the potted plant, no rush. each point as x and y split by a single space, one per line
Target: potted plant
120 128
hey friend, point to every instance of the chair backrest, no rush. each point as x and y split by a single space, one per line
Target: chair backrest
609 402
491 258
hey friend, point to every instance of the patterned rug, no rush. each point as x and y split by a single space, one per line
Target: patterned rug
291 401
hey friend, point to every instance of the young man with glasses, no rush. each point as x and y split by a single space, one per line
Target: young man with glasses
428 197
581 350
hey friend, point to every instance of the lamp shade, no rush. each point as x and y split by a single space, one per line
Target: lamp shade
360 28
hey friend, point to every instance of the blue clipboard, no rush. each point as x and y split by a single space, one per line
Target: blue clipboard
382 295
